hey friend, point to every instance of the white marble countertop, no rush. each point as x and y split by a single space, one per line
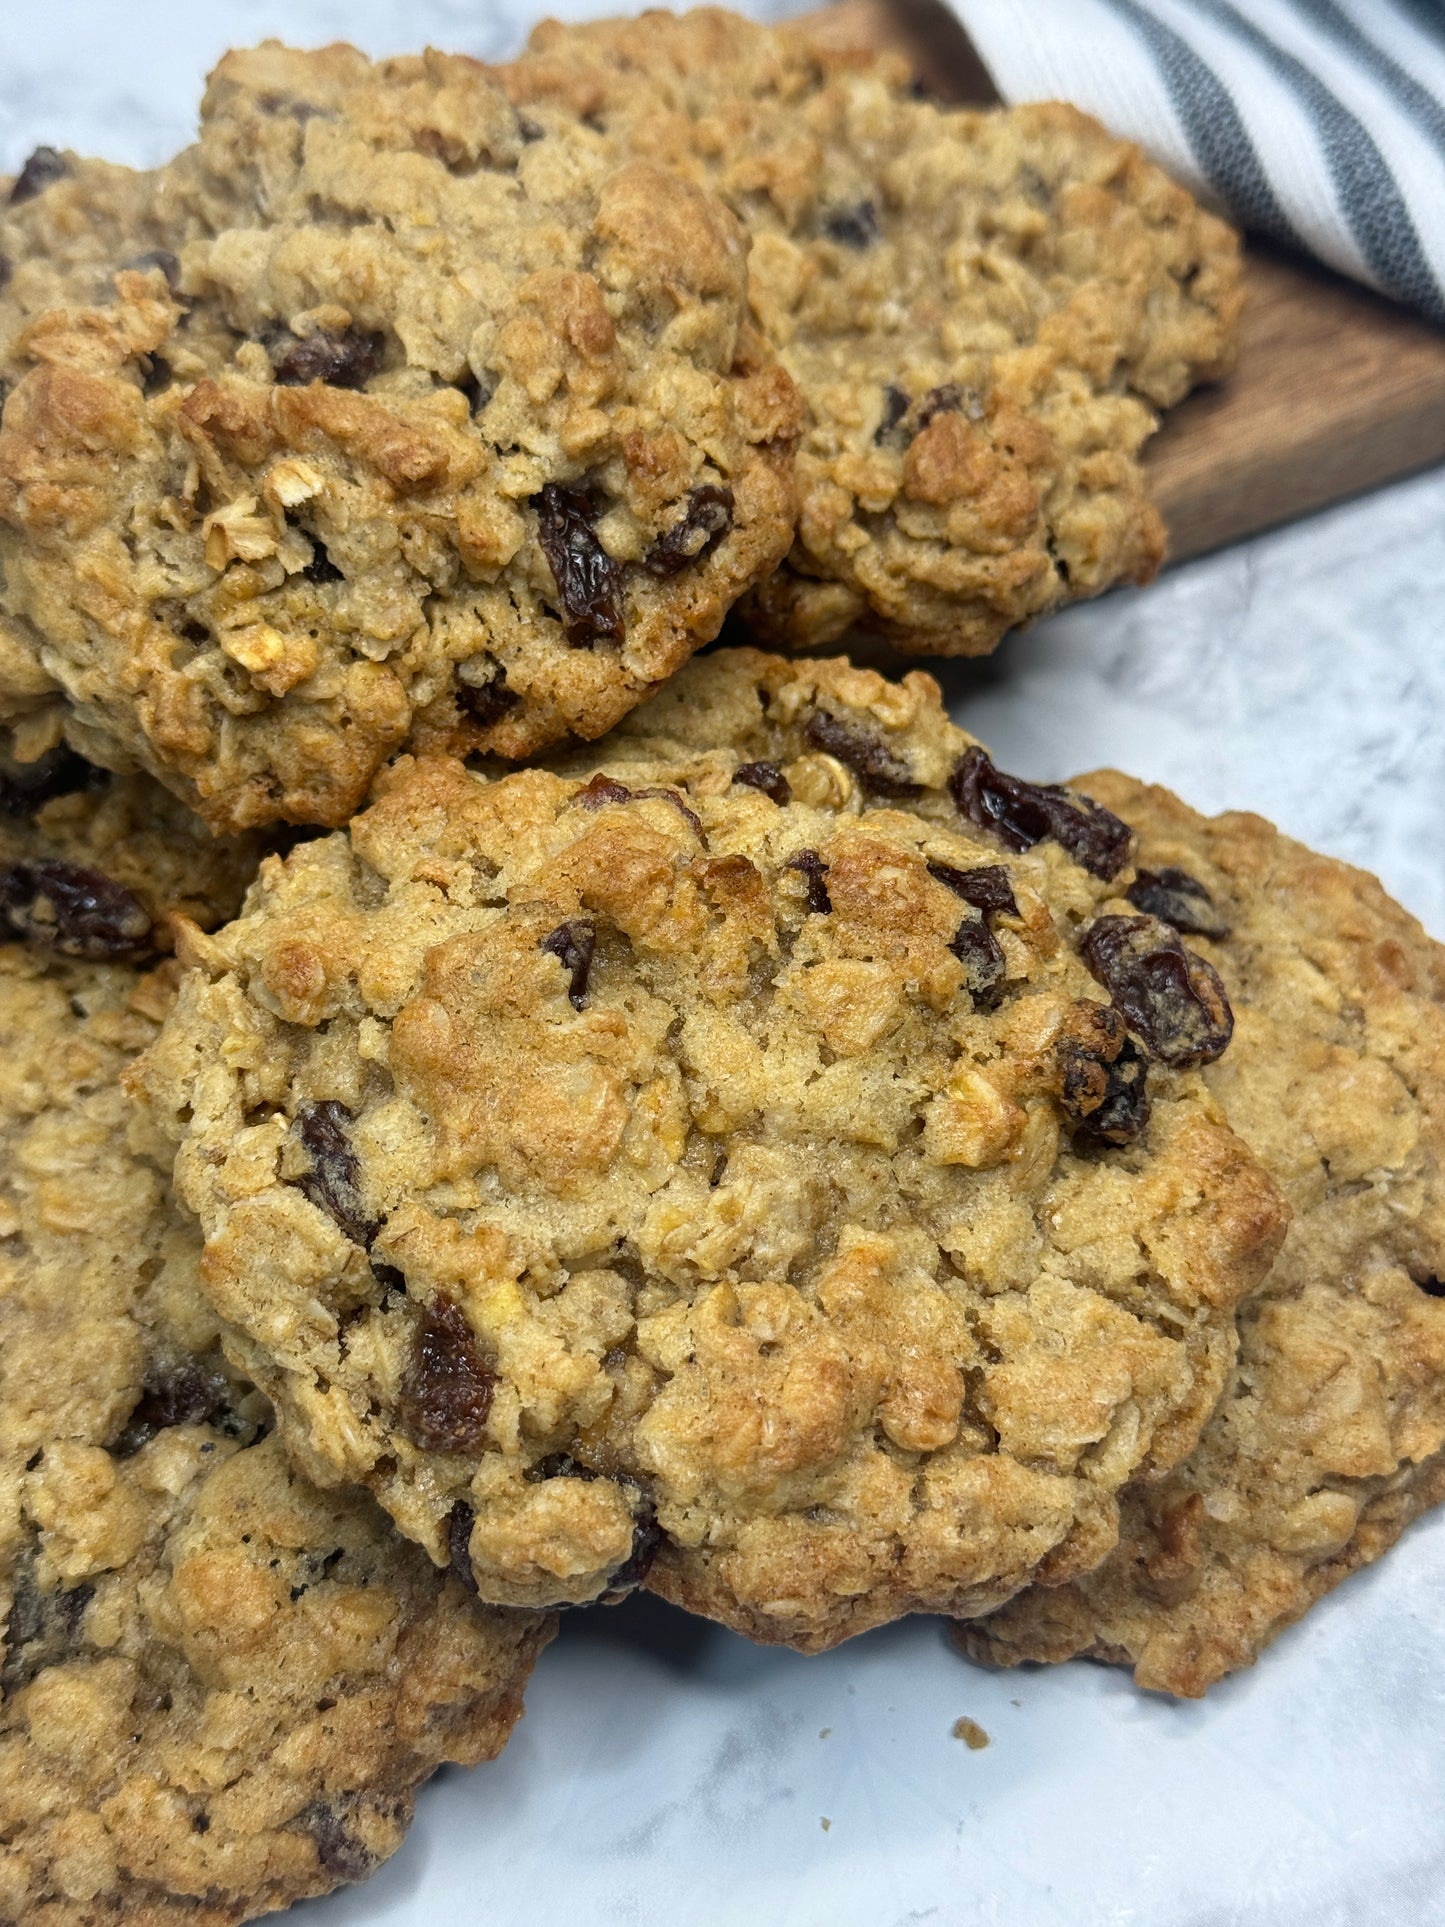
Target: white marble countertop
667 1770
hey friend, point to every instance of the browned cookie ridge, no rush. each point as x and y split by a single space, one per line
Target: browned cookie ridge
1331 1435
219 1686
425 425
714 1161
982 311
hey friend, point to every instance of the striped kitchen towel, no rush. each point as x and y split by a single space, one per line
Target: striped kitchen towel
1320 122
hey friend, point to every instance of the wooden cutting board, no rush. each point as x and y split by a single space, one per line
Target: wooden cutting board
1336 389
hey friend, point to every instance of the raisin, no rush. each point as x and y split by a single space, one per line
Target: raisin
163 259
44 167
333 1184
486 703
588 580
602 789
1021 814
980 953
346 360
572 944
646 1542
339 1851
76 911
184 1394
60 772
43 1628
447 1391
987 888
815 870
895 406
877 768
705 521
321 568
1108 1100
460 1521
854 227
1178 899
947 399
768 778
558 1465
1167 995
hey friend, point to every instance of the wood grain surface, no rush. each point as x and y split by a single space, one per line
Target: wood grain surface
1337 390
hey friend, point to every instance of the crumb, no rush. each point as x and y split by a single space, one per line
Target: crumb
825 1732
826 1824
971 1733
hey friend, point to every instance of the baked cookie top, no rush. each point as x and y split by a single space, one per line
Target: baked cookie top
218 1685
717 1156
93 865
1331 1435
433 427
982 310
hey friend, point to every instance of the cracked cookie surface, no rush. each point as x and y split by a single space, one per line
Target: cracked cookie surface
712 1162
1331 1436
219 1686
428 426
981 309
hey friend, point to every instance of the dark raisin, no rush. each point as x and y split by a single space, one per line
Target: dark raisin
333 1183
947 399
987 888
477 391
1179 899
60 772
602 789
895 407
181 1394
588 580
703 524
559 1465
855 227
44 167
874 764
1021 814
815 870
347 360
447 1391
646 1541
980 953
339 1851
1103 1082
768 778
572 944
76 911
1167 995
460 1521
321 568
163 259
43 1627
485 703
688 815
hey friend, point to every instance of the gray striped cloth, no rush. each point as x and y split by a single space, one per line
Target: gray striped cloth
1319 122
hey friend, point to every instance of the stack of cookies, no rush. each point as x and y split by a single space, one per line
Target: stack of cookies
498 1114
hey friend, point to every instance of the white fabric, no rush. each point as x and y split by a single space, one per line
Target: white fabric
1321 122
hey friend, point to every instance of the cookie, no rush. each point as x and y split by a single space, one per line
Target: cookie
93 865
1331 1436
982 311
713 1161
218 1685
439 428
